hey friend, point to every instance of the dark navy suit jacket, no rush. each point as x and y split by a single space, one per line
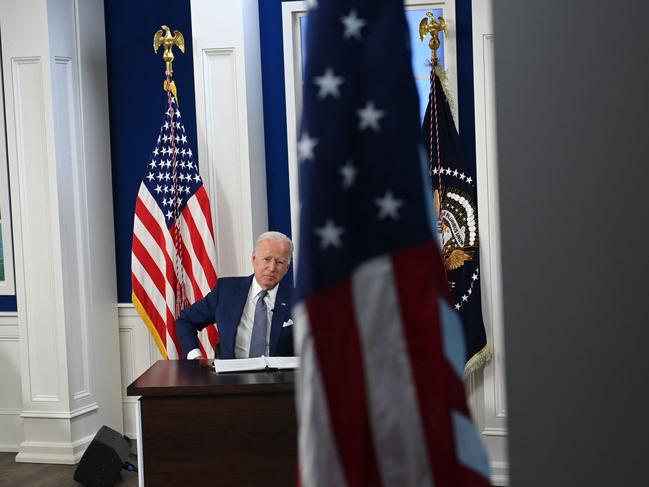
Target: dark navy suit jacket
224 306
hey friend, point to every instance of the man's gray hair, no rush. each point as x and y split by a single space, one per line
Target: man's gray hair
276 237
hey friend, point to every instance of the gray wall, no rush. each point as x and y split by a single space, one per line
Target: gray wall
573 128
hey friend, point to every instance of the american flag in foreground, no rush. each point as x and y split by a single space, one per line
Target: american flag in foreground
380 387
173 258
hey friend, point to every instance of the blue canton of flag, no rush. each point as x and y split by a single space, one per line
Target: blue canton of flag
160 179
380 386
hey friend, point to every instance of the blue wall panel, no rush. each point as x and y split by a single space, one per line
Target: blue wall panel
272 70
137 104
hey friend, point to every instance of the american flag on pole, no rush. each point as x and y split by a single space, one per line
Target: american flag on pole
173 258
380 388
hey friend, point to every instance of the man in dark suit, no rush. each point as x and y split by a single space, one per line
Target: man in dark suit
253 313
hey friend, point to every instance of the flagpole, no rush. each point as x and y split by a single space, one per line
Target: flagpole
429 25
164 38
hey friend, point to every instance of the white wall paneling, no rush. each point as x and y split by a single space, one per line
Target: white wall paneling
11 433
7 284
59 161
488 388
229 116
137 353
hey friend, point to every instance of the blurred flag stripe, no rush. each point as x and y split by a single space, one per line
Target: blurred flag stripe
396 431
339 354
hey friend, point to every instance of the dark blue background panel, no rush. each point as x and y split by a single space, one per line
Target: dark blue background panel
137 104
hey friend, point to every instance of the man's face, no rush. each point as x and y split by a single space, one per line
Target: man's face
270 262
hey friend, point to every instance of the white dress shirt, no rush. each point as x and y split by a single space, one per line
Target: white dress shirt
244 330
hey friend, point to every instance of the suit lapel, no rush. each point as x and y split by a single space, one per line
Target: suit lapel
238 302
280 315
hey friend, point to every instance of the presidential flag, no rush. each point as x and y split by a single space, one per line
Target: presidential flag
173 258
380 388
456 217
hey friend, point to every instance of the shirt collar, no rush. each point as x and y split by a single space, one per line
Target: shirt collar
256 288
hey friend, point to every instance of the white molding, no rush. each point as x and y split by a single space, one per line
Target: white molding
499 473
38 258
224 169
10 411
490 386
60 414
494 432
229 118
73 208
7 286
291 36
52 452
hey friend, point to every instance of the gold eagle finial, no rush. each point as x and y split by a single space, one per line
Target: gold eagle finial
429 25
164 38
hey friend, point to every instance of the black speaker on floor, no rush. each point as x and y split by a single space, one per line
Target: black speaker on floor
102 462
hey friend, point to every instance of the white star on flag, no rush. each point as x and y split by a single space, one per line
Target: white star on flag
329 84
329 235
369 116
305 147
348 172
388 206
353 25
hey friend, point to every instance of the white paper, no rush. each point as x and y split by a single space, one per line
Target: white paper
257 363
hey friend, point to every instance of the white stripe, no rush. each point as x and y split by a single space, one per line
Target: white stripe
396 423
149 288
469 449
205 341
172 353
452 337
197 268
150 203
319 463
203 228
141 231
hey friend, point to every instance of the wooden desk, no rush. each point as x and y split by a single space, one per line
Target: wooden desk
201 428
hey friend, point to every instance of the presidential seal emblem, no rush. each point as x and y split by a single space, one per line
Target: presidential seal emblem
457 226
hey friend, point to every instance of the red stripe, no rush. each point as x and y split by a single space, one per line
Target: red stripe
213 335
157 233
187 266
469 478
199 248
420 282
204 202
150 309
150 266
339 354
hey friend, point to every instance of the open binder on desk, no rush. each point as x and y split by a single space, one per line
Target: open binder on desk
257 363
